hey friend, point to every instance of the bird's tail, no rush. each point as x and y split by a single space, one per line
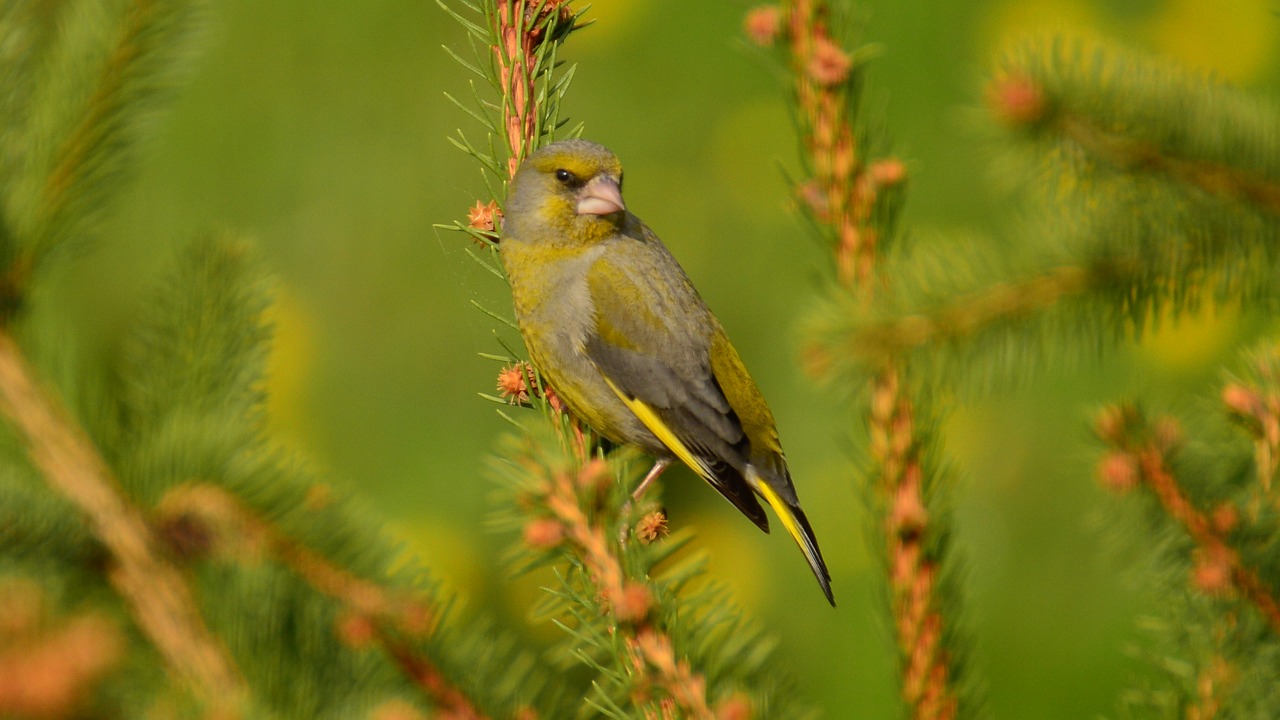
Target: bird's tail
797 525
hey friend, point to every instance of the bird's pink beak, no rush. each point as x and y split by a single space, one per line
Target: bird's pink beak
600 196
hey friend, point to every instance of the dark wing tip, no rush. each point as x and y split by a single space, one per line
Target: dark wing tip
730 483
813 554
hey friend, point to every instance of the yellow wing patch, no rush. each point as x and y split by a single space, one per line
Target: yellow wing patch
784 514
651 420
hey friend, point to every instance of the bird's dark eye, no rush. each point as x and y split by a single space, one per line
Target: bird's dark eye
565 176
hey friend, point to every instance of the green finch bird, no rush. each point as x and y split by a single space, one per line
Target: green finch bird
614 324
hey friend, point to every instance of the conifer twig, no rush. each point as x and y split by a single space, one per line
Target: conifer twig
844 188
152 587
232 529
1021 100
651 654
970 314
842 197
1140 456
134 68
913 570
1255 402
522 27
374 612
1160 479
447 697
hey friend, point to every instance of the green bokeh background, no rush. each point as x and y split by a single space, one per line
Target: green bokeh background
318 128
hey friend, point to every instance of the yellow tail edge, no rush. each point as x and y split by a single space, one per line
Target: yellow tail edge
798 527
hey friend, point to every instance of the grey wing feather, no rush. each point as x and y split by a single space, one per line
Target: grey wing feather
671 374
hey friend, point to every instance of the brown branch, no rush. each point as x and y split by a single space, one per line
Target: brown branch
1132 155
968 315
843 195
448 699
913 571
843 190
522 26
1156 475
1020 100
1140 456
225 527
154 589
652 658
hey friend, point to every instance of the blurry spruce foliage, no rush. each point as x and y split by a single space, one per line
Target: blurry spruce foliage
316 128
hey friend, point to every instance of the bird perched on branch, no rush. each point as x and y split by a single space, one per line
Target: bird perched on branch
613 322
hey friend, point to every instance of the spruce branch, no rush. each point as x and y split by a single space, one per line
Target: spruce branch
1254 402
1213 685
1141 455
515 45
851 200
1157 187
1112 109
226 504
647 670
155 590
659 647
523 27
858 340
452 702
576 495
915 555
846 191
227 529
107 66
390 617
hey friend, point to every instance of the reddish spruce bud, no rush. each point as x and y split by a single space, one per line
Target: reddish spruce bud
1242 401
595 477
652 527
762 24
1225 517
543 533
632 603
513 383
485 217
815 199
736 707
1017 100
1167 434
415 618
356 630
887 171
553 399
1118 471
829 65
1211 571
908 516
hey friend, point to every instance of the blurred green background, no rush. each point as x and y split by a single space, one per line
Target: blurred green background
318 128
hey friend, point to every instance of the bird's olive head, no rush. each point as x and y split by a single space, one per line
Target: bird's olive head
572 188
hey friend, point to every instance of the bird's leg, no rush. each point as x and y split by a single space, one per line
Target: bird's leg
579 440
654 472
658 466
